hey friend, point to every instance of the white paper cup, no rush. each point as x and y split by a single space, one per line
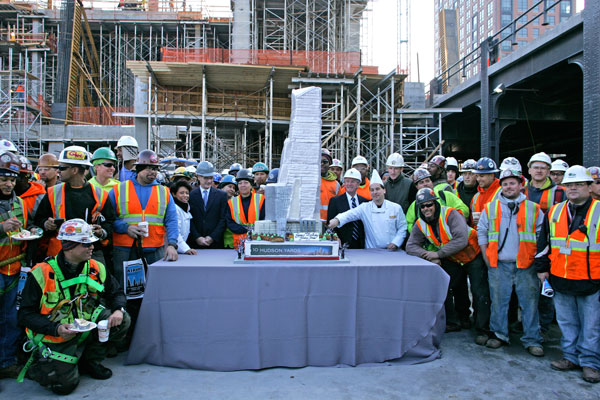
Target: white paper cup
103 330
144 226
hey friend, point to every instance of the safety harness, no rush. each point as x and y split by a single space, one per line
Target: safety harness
35 340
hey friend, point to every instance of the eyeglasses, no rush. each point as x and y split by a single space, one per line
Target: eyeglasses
427 205
108 165
152 167
86 245
63 167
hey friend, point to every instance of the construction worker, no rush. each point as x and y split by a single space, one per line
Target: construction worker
229 185
595 186
330 187
437 169
261 173
216 180
105 164
143 199
75 198
209 210
127 153
61 295
452 172
384 221
338 168
7 145
20 90
48 170
245 209
507 232
422 179
557 171
488 188
273 176
364 189
442 236
541 189
180 173
13 218
467 188
568 256
353 233
190 172
398 188
32 193
234 169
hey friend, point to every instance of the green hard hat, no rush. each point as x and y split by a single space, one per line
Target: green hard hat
104 153
260 167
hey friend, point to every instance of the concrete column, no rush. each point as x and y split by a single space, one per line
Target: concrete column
591 84
240 32
141 91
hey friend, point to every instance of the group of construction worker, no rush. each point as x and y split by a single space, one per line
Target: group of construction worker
76 219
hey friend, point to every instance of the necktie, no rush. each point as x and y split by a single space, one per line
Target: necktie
355 230
205 197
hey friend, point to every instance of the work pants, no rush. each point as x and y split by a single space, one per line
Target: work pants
9 331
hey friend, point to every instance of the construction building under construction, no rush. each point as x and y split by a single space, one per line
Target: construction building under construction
199 81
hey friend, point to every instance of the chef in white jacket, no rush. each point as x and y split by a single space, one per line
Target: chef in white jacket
384 221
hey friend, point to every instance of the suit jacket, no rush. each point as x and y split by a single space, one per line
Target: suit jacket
339 204
209 221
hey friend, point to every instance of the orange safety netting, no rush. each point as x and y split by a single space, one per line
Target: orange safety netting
101 115
315 61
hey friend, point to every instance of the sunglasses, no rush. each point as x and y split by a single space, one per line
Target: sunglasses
152 167
427 205
63 167
86 245
108 165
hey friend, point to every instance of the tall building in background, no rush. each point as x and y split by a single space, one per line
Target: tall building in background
476 20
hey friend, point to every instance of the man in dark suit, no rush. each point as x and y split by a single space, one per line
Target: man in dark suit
352 233
208 206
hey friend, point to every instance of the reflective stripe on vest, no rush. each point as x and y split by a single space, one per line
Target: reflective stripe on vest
464 256
10 248
238 215
56 293
526 223
574 265
547 198
130 210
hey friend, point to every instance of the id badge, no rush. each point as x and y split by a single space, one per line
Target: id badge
565 250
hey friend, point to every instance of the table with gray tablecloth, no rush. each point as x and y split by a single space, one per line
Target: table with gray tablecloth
207 312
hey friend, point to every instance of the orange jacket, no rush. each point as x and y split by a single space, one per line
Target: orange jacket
10 248
484 196
363 190
30 196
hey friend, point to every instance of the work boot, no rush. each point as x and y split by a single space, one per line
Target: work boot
452 327
494 343
591 375
563 365
95 370
11 372
536 351
481 340
62 390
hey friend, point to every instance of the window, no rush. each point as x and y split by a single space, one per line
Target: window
550 19
490 23
522 5
475 22
565 8
468 27
522 19
474 69
505 19
490 10
506 45
535 32
461 33
481 30
522 43
482 15
506 6
523 33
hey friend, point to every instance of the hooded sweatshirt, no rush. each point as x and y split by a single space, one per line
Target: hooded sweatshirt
330 187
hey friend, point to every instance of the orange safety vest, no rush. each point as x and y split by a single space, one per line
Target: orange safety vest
548 198
130 210
238 215
464 256
87 285
56 196
484 196
10 248
363 190
30 196
574 265
526 218
329 189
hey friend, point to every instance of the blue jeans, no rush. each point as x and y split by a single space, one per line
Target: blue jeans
579 321
9 332
527 287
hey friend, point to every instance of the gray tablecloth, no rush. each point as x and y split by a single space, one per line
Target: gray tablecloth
205 312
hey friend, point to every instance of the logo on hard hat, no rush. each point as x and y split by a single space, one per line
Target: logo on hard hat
5 158
490 164
75 155
421 196
153 158
70 229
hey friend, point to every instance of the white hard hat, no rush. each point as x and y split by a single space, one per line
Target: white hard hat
468 165
559 165
395 160
451 162
354 174
577 173
127 141
7 145
541 157
511 163
191 169
76 230
75 155
336 163
359 160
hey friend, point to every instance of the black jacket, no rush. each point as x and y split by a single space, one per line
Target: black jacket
209 221
339 204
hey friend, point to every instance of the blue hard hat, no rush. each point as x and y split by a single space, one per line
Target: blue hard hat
227 179
486 165
235 167
273 176
217 178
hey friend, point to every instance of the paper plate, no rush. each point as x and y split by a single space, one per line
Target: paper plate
91 326
32 237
